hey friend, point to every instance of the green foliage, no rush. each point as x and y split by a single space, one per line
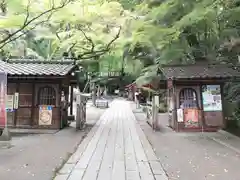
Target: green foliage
153 33
184 31
87 29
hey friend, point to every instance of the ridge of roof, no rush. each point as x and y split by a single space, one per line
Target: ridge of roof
38 61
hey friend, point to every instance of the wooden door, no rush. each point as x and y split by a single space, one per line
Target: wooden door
24 112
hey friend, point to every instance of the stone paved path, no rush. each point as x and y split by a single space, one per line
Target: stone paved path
115 149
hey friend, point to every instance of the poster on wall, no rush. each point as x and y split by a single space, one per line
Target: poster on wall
212 98
10 102
191 118
45 115
180 115
3 96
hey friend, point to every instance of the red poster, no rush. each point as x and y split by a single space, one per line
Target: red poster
191 118
3 95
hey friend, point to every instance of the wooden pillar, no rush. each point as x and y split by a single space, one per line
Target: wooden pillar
201 109
175 107
33 104
71 100
16 111
224 123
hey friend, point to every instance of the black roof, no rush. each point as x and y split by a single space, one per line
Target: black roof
200 71
31 67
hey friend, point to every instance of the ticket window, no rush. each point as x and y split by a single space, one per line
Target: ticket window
188 98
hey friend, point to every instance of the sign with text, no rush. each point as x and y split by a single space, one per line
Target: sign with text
10 102
212 99
16 100
45 115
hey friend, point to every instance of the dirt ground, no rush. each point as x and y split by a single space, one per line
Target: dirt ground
36 157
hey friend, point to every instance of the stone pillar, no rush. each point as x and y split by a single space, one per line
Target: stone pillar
155 106
81 111
105 90
93 90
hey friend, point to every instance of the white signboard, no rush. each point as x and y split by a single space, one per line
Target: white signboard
156 100
180 115
16 100
10 102
212 98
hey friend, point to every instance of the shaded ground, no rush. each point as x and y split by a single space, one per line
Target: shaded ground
37 156
198 156
235 131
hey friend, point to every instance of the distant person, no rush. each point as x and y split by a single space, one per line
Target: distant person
137 98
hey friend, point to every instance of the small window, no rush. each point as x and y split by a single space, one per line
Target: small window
47 96
188 98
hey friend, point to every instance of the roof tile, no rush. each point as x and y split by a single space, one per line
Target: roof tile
200 71
36 68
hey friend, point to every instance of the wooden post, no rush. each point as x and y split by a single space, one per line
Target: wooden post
93 89
78 117
81 111
175 107
33 104
71 101
16 111
155 106
201 108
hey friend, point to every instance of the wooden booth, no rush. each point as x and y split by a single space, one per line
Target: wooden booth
195 96
40 90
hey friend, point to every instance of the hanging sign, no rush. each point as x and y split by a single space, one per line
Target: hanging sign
10 102
45 115
16 100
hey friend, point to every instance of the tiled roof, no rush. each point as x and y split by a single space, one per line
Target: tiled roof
36 68
200 71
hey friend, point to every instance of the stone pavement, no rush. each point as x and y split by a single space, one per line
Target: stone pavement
115 149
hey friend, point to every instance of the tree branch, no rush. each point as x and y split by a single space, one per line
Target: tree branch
88 38
92 53
25 32
27 22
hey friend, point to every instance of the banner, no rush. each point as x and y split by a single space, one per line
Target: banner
191 117
180 115
3 97
45 115
10 102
